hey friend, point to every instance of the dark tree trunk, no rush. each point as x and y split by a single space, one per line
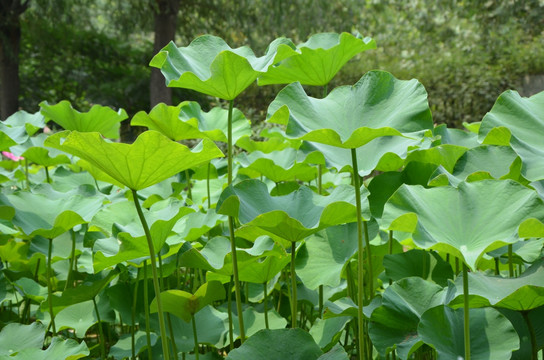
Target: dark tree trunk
10 44
166 12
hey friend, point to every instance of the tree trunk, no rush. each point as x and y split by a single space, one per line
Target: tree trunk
166 12
10 44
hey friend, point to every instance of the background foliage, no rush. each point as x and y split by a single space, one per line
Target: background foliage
464 52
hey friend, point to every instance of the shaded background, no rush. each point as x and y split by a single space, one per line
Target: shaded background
97 52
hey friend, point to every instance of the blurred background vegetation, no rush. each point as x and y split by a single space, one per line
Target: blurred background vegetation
464 52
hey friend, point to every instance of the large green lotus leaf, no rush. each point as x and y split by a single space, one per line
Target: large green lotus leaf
384 185
16 337
326 332
184 305
82 316
352 116
123 348
277 166
31 289
336 353
529 250
329 249
276 143
17 128
393 324
386 153
442 155
480 216
121 217
317 60
99 118
456 136
212 326
278 344
492 336
482 162
188 121
525 292
411 263
254 322
290 217
210 66
518 121
40 156
49 213
196 224
85 291
59 348
151 159
520 324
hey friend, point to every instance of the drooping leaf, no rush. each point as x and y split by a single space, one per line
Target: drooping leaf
41 156
99 118
279 344
149 160
425 264
352 116
317 61
492 336
123 347
254 322
67 349
482 162
525 292
456 136
208 65
481 216
49 213
326 332
185 305
82 316
393 325
277 166
189 121
16 337
290 217
518 121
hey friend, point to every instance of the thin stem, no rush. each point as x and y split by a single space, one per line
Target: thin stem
368 258
208 186
195 336
510 261
534 349
47 178
188 179
237 290
162 326
102 339
72 257
466 312
424 264
293 287
497 271
146 310
360 282
50 286
320 299
265 306
391 249
133 327
229 312
320 191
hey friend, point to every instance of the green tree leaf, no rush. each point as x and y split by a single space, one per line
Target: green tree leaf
317 61
99 118
151 159
351 116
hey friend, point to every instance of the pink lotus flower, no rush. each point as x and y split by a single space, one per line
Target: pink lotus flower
11 156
